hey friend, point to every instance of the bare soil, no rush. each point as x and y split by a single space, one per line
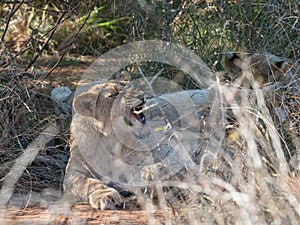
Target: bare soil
81 214
67 72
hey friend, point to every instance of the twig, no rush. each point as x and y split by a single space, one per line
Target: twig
46 43
42 78
12 12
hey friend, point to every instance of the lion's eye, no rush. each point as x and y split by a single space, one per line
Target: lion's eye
112 95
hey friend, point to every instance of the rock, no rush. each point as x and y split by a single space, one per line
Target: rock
63 97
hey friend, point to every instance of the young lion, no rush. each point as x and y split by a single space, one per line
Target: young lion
265 68
96 147
115 146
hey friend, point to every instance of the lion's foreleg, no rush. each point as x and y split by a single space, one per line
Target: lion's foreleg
80 186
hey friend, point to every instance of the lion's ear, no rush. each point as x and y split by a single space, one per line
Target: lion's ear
84 104
232 63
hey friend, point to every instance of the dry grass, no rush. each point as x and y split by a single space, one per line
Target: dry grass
26 109
250 170
253 178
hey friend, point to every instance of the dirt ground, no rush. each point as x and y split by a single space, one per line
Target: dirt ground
66 73
81 214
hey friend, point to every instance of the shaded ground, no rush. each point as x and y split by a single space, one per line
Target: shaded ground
68 71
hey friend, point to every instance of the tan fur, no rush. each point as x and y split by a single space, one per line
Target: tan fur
100 123
106 137
96 110
265 68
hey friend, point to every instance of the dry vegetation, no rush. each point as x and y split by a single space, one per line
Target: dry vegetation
254 179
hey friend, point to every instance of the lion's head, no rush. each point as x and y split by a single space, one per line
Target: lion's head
110 129
114 103
265 68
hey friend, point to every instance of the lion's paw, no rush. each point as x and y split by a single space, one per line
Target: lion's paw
105 198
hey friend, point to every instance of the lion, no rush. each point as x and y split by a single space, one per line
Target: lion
118 143
265 68
93 116
282 99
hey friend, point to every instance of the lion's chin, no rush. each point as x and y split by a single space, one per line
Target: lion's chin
141 132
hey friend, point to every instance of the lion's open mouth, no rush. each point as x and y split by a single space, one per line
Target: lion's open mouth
136 120
138 114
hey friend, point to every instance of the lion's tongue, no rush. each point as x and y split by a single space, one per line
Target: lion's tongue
140 117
